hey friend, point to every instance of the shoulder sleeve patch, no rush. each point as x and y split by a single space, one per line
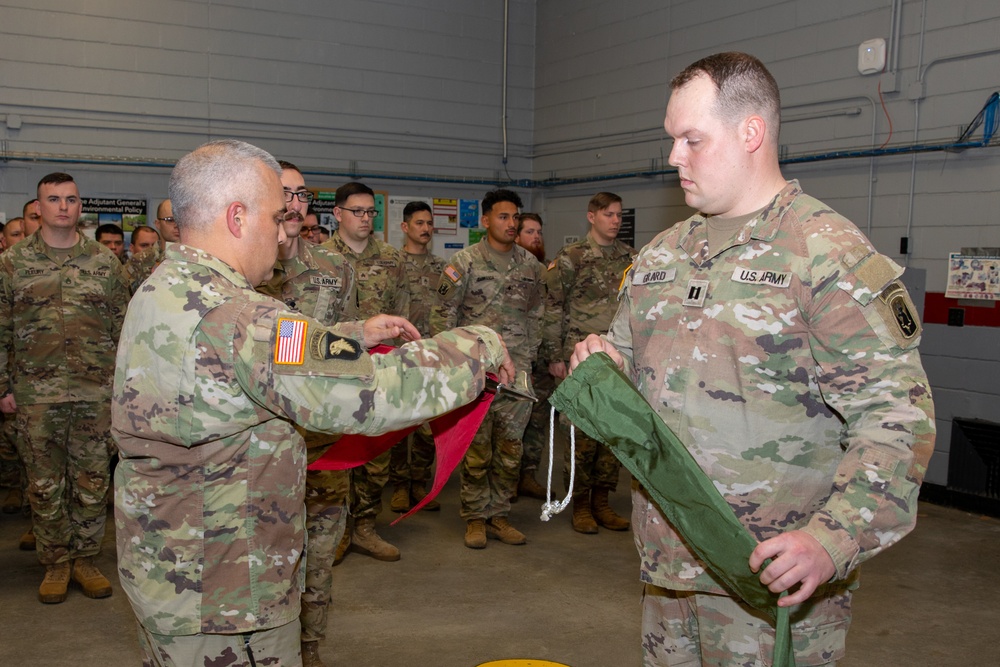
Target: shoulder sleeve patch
290 343
898 314
453 274
326 345
552 265
877 272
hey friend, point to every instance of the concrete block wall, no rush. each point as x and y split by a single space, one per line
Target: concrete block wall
372 86
602 76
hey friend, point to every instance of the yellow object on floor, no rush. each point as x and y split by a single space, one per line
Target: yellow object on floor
522 663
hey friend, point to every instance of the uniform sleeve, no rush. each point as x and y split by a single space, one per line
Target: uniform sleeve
536 311
118 297
6 327
620 332
552 335
451 292
401 304
339 388
864 336
348 302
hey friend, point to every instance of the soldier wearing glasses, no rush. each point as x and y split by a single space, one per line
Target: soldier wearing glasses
382 288
140 266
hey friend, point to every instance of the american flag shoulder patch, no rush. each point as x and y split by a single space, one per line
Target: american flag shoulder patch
290 346
452 273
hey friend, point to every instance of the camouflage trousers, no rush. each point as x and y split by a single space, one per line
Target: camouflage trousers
66 452
11 470
326 520
367 482
692 629
491 467
536 434
596 466
411 459
275 647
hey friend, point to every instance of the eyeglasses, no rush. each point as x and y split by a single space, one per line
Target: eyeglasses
304 196
362 212
309 230
167 219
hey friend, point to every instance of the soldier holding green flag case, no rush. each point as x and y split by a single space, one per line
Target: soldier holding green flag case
781 349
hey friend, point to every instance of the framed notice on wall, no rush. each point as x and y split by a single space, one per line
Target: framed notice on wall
973 276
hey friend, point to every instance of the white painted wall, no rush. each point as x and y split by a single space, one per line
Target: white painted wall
408 87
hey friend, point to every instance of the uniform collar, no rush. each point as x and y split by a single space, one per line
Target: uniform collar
192 255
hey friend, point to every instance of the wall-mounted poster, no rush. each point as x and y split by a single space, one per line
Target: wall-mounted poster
973 276
445 216
468 213
127 213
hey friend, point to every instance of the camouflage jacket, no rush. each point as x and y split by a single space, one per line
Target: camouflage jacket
382 286
211 379
141 266
61 322
477 287
583 296
787 364
317 282
422 275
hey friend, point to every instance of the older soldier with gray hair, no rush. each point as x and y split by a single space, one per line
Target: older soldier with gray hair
211 380
781 349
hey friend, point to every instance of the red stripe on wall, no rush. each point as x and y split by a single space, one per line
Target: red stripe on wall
937 307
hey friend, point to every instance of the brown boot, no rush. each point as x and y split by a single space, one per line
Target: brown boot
475 534
499 528
400 498
583 520
342 547
310 655
90 579
528 487
419 491
27 541
603 513
12 503
367 542
53 588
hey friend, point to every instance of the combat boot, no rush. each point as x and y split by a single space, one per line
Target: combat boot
400 498
12 503
90 579
27 541
527 486
583 519
367 542
310 655
53 588
342 547
419 491
603 513
499 528
475 534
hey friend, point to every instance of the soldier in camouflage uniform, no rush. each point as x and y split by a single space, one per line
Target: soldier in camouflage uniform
410 466
140 266
495 283
319 283
211 379
382 288
55 287
536 433
583 301
11 470
781 349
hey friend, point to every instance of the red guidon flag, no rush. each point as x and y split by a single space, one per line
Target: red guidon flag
453 433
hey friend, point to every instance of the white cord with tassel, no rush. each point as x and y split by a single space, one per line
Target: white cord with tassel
549 507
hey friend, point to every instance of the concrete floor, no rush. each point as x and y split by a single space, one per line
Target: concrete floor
934 599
